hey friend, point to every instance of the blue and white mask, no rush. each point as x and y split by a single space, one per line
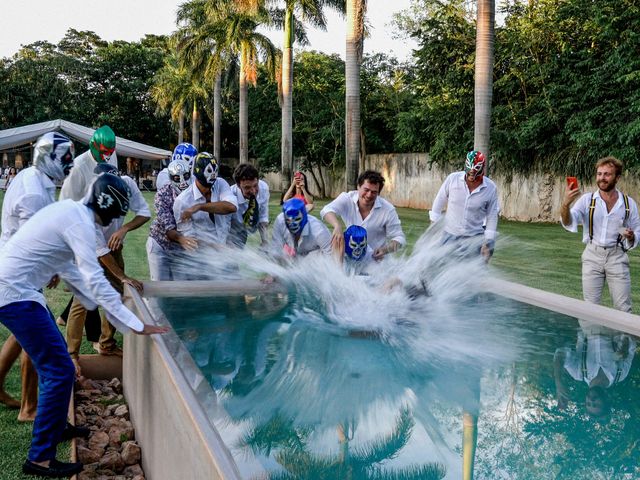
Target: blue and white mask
295 215
355 242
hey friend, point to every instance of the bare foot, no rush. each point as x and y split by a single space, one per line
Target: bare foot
76 364
8 400
27 416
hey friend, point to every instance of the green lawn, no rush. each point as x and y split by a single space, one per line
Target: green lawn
544 256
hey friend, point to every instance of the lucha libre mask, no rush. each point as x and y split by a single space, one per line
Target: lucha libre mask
53 155
474 165
102 144
205 169
355 242
295 215
185 151
109 198
179 174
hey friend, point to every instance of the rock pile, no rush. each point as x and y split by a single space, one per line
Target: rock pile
110 452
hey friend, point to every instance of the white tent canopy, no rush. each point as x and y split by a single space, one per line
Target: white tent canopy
13 137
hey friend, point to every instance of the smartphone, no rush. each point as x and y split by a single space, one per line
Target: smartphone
572 183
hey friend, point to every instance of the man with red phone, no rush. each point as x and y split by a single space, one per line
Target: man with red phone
610 227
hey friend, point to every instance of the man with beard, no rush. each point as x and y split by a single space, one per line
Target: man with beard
610 227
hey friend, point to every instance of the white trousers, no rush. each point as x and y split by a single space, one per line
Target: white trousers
610 264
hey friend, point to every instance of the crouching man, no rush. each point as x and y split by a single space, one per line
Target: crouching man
59 239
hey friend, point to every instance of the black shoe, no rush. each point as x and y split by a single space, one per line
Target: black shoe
55 469
71 431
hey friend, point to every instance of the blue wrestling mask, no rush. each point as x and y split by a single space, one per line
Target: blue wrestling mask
355 242
295 215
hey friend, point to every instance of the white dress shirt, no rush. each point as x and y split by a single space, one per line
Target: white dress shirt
30 191
137 205
200 225
162 179
382 223
605 224
60 239
81 176
468 213
236 222
314 236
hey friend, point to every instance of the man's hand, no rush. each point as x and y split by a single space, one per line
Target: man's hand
337 239
570 196
629 235
134 283
53 283
486 252
188 243
188 213
379 253
117 239
152 329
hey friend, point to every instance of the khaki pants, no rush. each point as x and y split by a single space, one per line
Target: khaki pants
610 264
78 315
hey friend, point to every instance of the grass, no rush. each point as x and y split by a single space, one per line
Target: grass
539 255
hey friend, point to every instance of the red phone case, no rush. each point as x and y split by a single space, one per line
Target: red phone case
572 183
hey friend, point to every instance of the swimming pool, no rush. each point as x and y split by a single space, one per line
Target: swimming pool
291 394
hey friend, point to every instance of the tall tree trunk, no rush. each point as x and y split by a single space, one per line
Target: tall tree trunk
195 126
181 126
217 115
287 104
244 108
484 76
355 38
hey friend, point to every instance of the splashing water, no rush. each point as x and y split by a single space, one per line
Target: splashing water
431 304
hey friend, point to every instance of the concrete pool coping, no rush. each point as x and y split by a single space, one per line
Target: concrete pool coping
177 436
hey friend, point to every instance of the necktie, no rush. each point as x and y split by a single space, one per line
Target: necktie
252 215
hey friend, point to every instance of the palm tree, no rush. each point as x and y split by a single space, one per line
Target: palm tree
174 90
199 47
310 11
360 462
484 76
356 10
240 39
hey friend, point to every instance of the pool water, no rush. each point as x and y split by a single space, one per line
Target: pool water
299 396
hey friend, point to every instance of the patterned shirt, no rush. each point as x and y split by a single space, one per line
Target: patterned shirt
165 221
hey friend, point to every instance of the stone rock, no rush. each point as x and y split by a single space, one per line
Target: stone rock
131 453
112 461
133 470
119 434
84 475
138 477
98 440
115 385
121 411
86 455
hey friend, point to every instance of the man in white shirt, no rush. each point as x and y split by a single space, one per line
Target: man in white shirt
101 149
610 227
201 209
471 201
602 358
59 239
31 190
364 207
252 195
110 242
296 233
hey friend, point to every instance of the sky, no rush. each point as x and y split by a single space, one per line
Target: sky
27 21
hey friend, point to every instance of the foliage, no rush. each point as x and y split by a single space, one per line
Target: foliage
565 83
86 80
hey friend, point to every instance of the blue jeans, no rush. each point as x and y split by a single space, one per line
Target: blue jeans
37 333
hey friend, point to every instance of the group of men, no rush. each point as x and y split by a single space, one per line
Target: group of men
44 241
79 239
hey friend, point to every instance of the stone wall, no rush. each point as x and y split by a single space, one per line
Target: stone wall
412 182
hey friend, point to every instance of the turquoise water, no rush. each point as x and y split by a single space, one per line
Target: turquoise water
303 396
